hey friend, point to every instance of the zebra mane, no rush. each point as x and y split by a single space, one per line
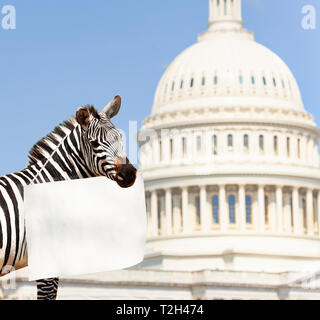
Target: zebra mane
49 143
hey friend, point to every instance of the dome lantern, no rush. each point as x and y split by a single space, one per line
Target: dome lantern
225 14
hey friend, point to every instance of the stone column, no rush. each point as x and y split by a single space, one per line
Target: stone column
221 9
272 211
310 153
185 215
279 208
176 213
177 143
211 10
238 9
297 225
229 8
242 207
208 146
190 145
309 204
287 208
156 151
221 144
282 147
223 208
168 211
205 222
154 213
318 212
261 219
166 149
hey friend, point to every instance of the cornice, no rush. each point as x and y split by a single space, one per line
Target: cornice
298 176
232 115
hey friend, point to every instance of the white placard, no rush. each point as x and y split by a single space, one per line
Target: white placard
84 226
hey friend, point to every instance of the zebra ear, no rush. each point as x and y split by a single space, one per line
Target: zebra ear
83 117
113 107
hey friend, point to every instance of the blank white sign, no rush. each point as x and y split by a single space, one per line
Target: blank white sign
84 226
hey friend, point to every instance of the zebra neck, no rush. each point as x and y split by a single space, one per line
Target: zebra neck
65 161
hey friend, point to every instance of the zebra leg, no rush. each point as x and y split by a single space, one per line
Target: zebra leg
47 289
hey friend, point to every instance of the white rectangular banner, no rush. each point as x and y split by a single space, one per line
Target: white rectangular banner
84 226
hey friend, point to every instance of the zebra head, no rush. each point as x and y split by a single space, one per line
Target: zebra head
102 146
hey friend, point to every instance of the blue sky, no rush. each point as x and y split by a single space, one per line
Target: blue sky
64 54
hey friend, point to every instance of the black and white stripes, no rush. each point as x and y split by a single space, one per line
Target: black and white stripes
85 146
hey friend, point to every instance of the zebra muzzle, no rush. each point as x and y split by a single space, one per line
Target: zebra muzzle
126 175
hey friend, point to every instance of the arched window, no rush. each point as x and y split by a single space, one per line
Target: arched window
275 145
264 80
253 81
266 210
246 142
184 147
181 84
283 84
191 83
230 141
299 149
248 209
232 208
274 82
203 81
241 79
225 7
171 149
261 143
215 80
288 147
214 145
215 209
172 87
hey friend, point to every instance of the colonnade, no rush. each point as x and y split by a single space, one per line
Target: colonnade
223 208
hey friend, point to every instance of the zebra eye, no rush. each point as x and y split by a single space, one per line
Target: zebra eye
95 143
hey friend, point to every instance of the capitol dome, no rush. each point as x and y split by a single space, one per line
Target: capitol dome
230 158
227 74
224 67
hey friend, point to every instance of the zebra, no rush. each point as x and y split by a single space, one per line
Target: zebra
87 145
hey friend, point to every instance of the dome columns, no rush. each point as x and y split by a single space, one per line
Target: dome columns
185 207
242 207
222 208
153 219
234 208
318 213
261 204
295 209
264 144
168 213
310 218
279 202
204 212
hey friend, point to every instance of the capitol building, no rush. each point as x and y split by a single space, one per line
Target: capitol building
230 161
